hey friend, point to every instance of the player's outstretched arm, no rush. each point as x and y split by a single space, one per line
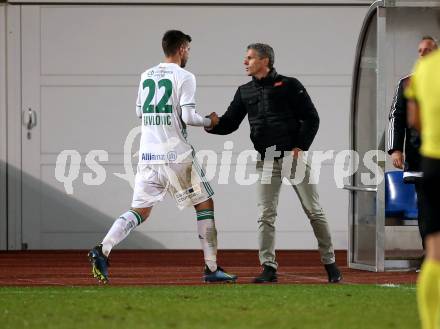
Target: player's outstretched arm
192 118
188 104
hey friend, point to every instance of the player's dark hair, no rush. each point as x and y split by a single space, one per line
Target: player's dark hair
264 51
172 41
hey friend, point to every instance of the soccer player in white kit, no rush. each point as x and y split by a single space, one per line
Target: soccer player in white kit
166 105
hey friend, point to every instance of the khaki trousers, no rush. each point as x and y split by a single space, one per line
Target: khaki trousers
271 174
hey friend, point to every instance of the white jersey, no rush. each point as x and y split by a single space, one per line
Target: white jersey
163 91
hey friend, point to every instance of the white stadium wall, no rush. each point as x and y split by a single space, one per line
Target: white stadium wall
80 66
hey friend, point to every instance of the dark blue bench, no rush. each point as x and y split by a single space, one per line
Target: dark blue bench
400 198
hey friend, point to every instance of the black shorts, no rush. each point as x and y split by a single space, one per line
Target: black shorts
431 187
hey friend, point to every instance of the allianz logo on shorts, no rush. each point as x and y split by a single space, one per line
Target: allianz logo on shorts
170 156
152 156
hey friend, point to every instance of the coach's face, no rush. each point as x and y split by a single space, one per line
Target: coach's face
254 65
426 46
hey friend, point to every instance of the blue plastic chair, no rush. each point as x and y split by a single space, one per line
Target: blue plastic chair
400 198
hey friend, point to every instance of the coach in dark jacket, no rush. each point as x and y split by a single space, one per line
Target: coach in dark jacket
399 134
279 110
282 118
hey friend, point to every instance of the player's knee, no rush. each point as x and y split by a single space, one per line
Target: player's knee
432 242
143 212
208 204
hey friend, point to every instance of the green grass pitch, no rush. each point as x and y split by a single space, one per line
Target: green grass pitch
210 307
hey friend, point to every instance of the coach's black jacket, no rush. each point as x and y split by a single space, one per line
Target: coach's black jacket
399 133
279 110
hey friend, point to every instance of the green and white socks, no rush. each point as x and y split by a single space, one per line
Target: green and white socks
208 237
120 229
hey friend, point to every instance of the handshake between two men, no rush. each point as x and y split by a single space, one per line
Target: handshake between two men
214 120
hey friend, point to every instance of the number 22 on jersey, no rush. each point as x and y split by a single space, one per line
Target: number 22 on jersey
161 106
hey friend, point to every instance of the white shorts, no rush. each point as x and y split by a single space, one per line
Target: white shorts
185 182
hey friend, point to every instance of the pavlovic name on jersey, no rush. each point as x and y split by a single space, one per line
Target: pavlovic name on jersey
163 89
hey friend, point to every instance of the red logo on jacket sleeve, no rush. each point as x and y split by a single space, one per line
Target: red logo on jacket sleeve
277 84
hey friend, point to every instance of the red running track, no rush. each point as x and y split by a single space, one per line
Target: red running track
174 267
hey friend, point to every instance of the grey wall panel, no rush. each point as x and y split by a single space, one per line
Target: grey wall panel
91 58
60 128
299 39
3 158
